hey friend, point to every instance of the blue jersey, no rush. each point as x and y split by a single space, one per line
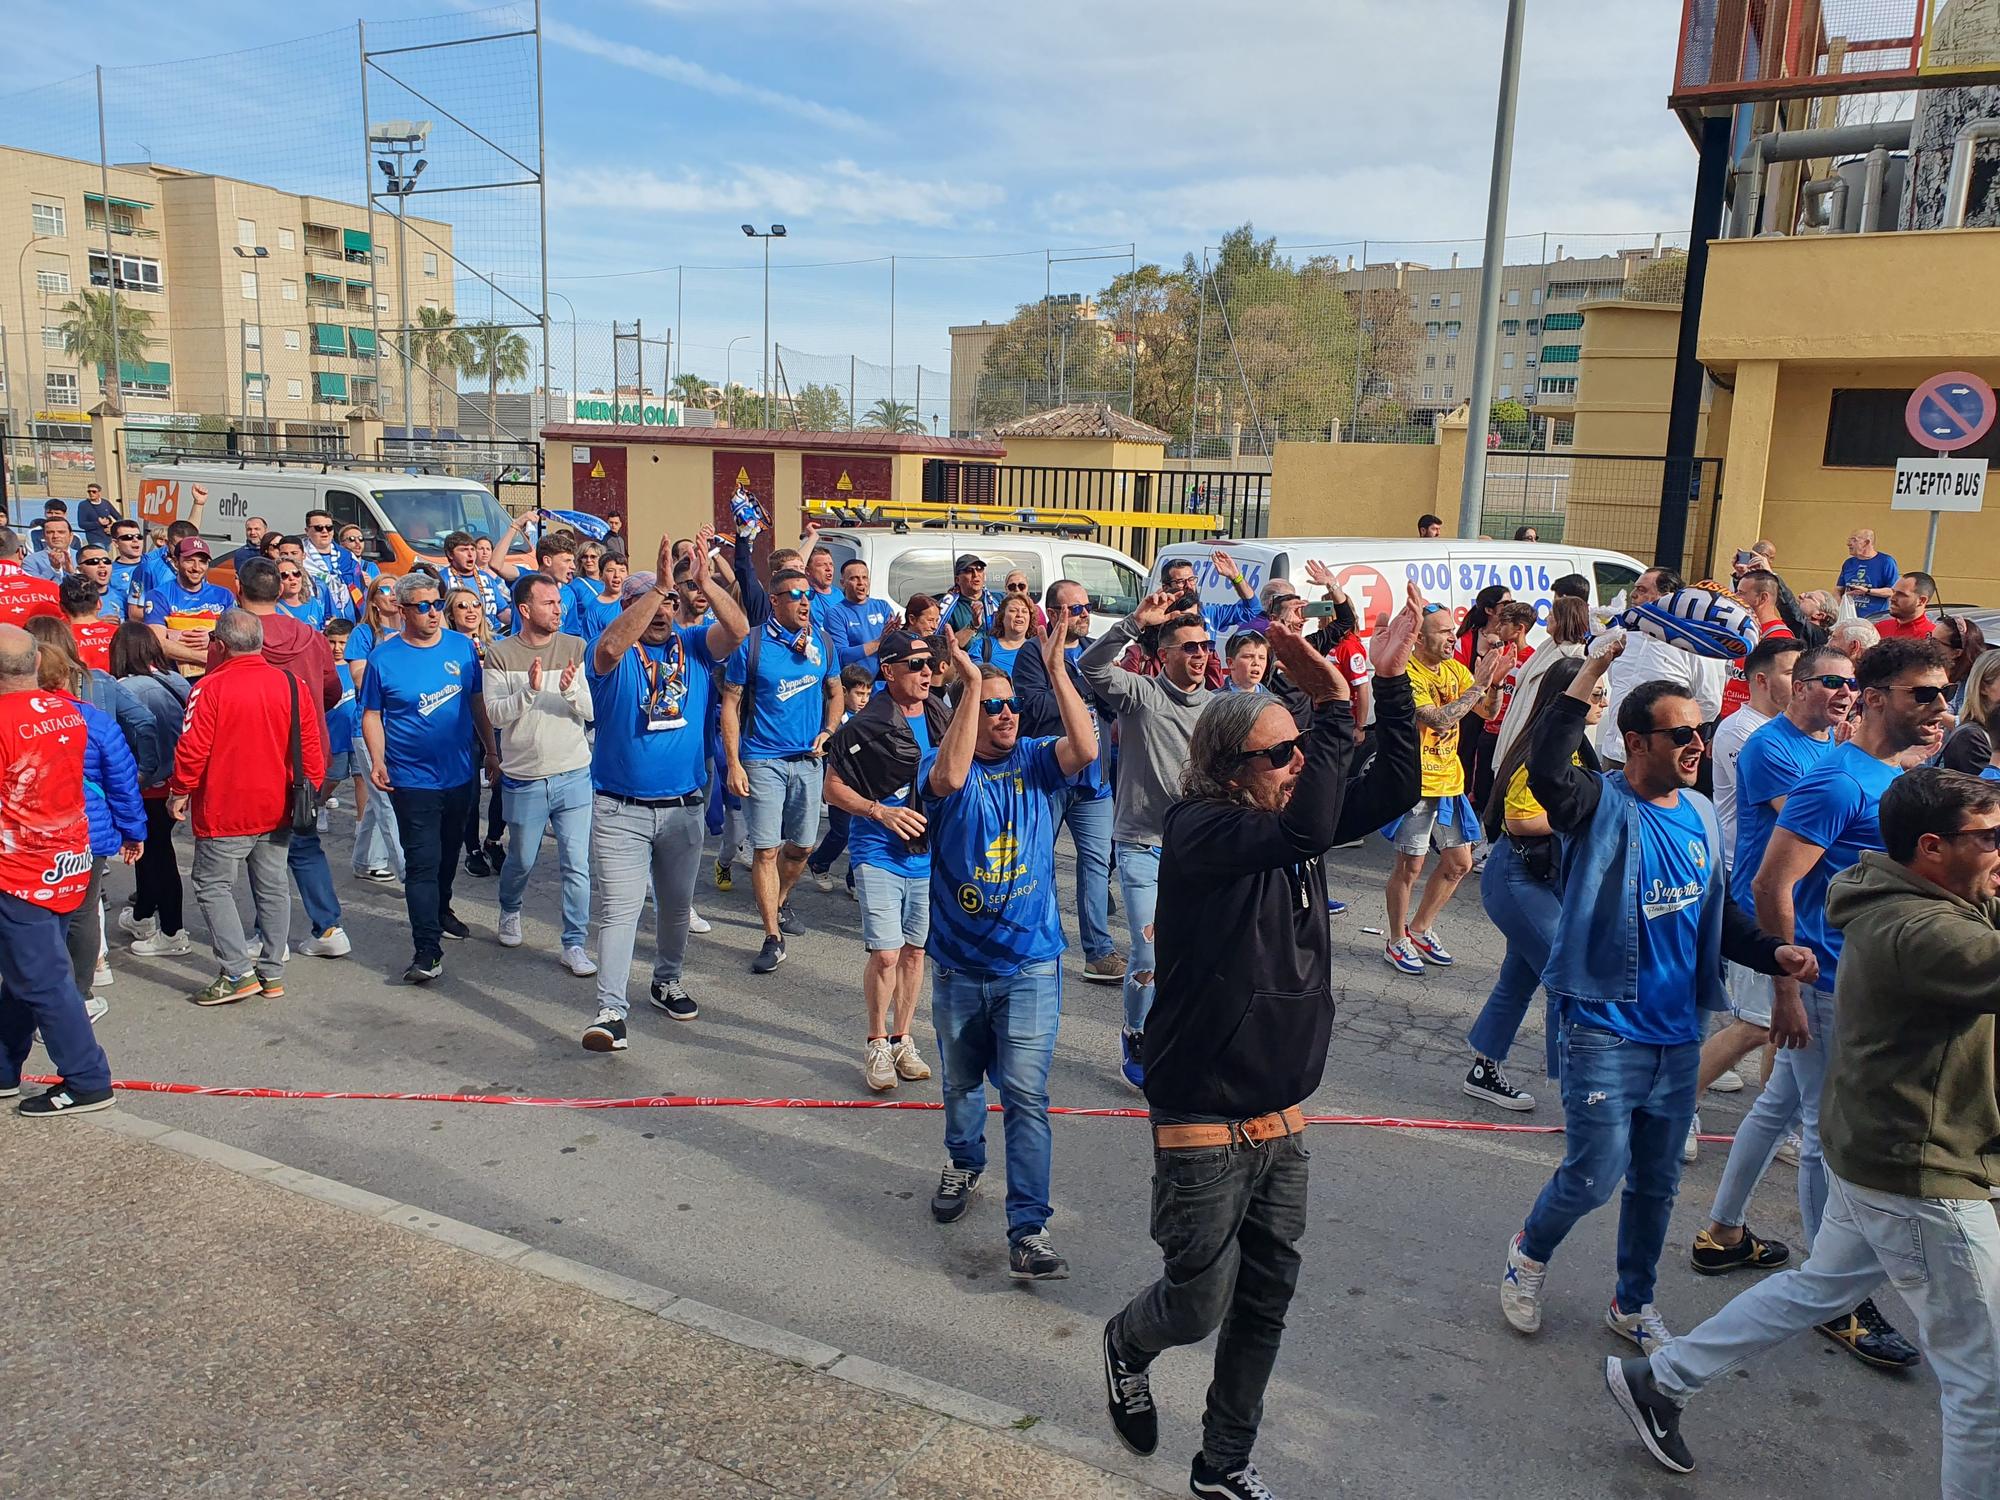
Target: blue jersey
852 626
150 572
989 649
869 843
343 720
993 888
579 599
178 608
492 595
1674 877
1833 807
650 709
425 696
360 643
787 705
1877 572
1772 761
118 590
313 612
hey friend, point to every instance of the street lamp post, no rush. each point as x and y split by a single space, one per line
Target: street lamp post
775 232
401 139
254 252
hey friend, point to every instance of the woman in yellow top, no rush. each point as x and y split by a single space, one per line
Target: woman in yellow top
1520 894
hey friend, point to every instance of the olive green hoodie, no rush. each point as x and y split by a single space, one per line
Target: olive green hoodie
1910 1105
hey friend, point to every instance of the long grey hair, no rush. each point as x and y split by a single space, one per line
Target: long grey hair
1215 750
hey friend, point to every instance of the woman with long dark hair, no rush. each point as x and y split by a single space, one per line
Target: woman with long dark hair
1476 638
154 917
1520 893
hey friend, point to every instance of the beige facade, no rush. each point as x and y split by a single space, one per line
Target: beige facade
282 342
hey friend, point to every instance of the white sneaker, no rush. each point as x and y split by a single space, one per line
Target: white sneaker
910 1062
322 823
510 929
1789 1149
1521 1289
95 1008
743 856
333 943
330 803
878 1066
578 962
163 945
103 975
128 923
1691 1147
1646 1327
1729 1081
697 922
823 880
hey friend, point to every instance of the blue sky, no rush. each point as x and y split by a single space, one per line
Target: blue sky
927 129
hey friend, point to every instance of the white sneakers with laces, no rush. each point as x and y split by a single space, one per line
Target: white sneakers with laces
1521 1289
1646 1327
162 945
909 1061
878 1067
509 929
578 962
333 943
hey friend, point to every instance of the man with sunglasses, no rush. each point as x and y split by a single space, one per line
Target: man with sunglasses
970 606
336 570
1177 577
1634 964
1912 1131
1828 821
128 549
1156 718
995 941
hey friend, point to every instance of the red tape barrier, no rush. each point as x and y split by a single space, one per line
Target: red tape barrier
698 1101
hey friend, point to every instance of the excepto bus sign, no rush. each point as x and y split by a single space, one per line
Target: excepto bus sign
1953 484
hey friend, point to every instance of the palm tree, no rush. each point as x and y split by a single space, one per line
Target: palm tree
892 416
695 391
738 403
88 339
498 353
439 345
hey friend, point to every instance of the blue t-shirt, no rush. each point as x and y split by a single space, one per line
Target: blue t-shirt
179 608
990 650
360 643
1834 807
343 720
869 843
425 696
118 590
1773 759
1991 773
313 612
151 571
667 684
1877 572
822 612
993 889
579 599
852 626
1674 876
594 617
788 700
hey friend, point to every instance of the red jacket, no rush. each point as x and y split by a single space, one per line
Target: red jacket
24 597
234 758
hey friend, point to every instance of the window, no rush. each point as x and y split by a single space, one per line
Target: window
1529 361
1114 589
1558 385
431 303
253 336
296 389
329 338
253 383
248 281
1448 393
347 510
328 386
1506 361
287 240
1568 321
927 570
1535 297
246 232
1506 393
52 283
59 390
1451 329
1432 330
52 336
1864 430
135 273
1457 299
381 303
1563 433
430 265
1514 296
1534 327
48 218
289 290
143 377
1435 300
1430 392
1510 327
1451 361
1430 361
292 339
1613 579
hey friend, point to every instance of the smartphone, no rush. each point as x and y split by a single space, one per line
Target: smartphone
1745 558
1321 609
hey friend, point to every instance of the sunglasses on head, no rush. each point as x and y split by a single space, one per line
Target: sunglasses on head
1923 693
1989 837
1431 609
1832 681
1682 735
1279 755
994 706
424 606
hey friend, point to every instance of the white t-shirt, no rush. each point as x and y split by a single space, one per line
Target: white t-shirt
1729 739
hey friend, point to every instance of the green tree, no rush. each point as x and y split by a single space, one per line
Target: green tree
819 408
1665 280
1511 420
696 391
892 416
739 406
498 353
88 338
440 346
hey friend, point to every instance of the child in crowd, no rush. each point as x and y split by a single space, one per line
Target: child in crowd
856 683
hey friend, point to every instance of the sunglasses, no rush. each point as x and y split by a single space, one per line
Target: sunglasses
1832 681
425 606
1196 648
316 526
995 706
1017 588
124 536
922 664
1988 837
290 573
1278 756
1078 611
1432 609
1682 735
1927 693
93 562
795 595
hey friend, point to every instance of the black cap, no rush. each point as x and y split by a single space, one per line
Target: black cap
901 645
967 560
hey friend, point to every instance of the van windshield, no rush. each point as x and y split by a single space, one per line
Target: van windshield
426 517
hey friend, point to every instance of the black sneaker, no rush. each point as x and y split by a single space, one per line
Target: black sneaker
1033 1258
64 1100
769 956
954 1194
675 1001
1713 1258
1129 1396
1243 1483
452 928
1656 1419
1872 1339
476 864
606 1033
496 857
423 970
789 922
1488 1080
9 1090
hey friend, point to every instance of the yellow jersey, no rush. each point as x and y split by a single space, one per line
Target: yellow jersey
1437 750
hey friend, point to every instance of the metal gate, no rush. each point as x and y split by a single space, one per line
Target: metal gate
1600 500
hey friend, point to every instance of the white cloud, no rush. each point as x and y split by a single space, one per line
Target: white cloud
840 191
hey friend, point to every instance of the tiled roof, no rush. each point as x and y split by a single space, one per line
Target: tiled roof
1094 420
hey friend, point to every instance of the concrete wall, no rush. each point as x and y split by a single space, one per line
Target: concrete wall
1625 377
1360 489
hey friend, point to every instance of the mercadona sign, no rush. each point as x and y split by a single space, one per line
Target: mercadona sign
602 409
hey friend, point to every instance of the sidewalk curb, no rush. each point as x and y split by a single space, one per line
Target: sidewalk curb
655 1301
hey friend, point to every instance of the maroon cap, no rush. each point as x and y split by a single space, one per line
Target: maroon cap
190 546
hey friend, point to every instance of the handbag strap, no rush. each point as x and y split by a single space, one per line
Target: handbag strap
298 752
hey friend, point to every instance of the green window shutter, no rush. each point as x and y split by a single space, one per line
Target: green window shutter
329 387
356 240
329 338
363 340
1568 320
144 372
1561 354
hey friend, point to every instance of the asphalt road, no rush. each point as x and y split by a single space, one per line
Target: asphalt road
1398 1376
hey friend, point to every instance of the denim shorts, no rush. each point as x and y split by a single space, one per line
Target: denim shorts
1432 824
341 764
895 908
1749 992
783 805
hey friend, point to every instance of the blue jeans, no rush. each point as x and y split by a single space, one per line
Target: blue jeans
1797 1076
1942 1254
1626 1107
1525 910
529 807
832 846
1139 883
307 862
38 992
1089 823
782 809
631 846
377 844
1002 1028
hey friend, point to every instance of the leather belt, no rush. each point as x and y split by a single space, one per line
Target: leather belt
1264 1128
691 799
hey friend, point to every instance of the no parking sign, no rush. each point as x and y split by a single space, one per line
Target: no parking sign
1950 411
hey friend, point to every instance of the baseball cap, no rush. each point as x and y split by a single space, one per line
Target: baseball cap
967 560
190 546
901 645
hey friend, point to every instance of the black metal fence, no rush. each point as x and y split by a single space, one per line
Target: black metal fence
1241 501
1600 500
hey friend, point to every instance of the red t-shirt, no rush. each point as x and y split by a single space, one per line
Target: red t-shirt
1922 627
44 831
1507 686
93 641
1350 654
24 597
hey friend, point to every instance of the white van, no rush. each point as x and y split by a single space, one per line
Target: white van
404 518
1375 570
919 561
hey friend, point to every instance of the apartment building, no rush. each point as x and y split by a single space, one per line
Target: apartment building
261 307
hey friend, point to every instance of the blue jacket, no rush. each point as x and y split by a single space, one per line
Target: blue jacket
110 784
164 697
110 696
1594 957
1036 696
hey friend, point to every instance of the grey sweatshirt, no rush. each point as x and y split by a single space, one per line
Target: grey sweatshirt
1155 722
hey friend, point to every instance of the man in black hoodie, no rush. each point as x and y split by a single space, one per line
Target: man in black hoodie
1238 1033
